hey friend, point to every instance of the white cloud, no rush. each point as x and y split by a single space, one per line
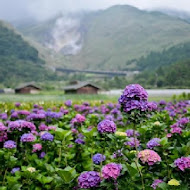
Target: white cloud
41 9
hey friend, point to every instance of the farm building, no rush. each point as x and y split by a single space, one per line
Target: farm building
29 88
81 88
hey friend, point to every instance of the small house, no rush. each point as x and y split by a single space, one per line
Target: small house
29 88
81 88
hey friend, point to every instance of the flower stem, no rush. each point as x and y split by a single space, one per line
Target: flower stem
136 160
4 176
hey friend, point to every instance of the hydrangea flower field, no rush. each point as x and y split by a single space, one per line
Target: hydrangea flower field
131 145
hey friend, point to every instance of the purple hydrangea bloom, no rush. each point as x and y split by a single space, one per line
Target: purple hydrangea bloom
135 105
20 124
98 158
27 137
15 170
47 137
3 132
43 127
9 144
36 116
17 104
183 163
14 114
42 155
183 121
156 183
106 126
89 179
152 106
79 141
130 133
23 112
109 117
117 154
54 115
152 143
68 103
136 92
132 141
162 102
4 116
176 130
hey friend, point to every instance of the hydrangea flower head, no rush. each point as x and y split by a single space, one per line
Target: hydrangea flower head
182 163
149 156
31 169
15 170
80 118
183 121
132 141
68 103
89 179
130 133
111 170
17 104
156 183
135 91
173 182
42 154
106 126
27 137
79 141
98 158
176 130
47 137
119 133
153 142
21 124
37 147
9 144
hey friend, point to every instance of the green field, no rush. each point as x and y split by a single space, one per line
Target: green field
62 97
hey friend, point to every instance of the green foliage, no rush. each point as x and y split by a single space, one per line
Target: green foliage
158 60
175 75
65 160
19 61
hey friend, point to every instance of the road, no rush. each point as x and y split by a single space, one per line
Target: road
152 92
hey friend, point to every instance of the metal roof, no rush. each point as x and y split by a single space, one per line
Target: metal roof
23 85
80 85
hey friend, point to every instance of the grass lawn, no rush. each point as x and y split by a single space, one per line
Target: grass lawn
59 97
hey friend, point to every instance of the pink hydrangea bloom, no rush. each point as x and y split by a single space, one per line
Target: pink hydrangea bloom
183 163
176 130
52 128
43 127
80 118
111 170
37 147
168 135
149 156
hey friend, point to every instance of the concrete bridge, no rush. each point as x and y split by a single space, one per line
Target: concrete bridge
109 73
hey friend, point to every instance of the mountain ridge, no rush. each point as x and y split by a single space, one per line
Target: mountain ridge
109 38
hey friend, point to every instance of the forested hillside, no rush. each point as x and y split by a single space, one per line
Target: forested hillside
164 58
19 61
175 75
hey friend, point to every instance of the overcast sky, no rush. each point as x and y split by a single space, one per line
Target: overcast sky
42 9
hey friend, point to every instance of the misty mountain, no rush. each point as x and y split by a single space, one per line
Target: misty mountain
107 39
176 13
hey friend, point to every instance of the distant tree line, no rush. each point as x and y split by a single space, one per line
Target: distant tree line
19 61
